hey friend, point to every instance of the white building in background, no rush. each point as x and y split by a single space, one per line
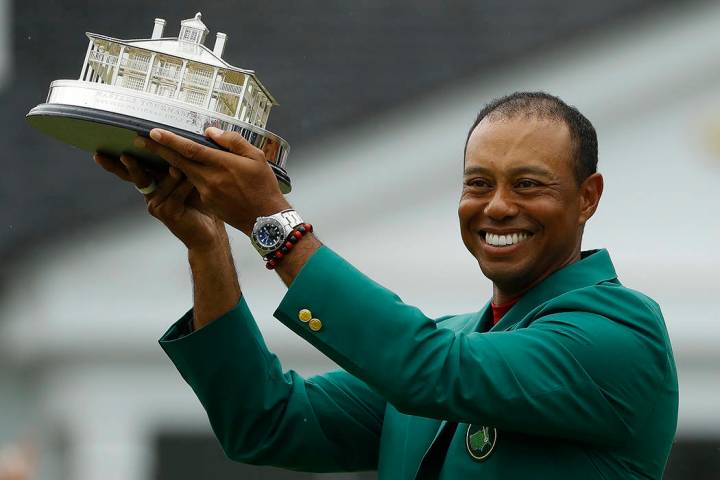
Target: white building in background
182 68
84 316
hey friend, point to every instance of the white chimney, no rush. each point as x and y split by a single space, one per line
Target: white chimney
219 44
158 28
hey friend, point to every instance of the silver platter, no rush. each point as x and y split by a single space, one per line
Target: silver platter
101 117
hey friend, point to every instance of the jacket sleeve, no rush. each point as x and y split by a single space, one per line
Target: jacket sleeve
262 416
571 374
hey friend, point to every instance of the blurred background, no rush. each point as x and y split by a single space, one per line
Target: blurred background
375 100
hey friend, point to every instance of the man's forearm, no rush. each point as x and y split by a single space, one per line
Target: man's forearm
293 263
216 289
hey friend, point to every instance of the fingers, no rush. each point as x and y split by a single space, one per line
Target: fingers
167 186
137 175
112 165
168 199
235 142
190 156
172 205
183 147
188 166
177 198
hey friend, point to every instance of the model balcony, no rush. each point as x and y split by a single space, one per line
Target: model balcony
198 79
137 65
230 88
103 58
166 73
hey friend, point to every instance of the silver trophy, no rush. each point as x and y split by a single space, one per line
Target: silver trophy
128 87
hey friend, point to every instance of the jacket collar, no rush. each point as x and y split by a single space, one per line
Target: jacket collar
593 267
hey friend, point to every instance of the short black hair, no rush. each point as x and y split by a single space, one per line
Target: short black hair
546 106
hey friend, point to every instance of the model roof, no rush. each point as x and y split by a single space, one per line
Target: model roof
173 47
195 52
195 22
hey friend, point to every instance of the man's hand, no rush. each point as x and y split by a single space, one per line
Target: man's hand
238 186
175 202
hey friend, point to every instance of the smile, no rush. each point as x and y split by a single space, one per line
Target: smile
505 240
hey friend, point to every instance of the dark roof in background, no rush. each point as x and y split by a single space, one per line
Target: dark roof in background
328 63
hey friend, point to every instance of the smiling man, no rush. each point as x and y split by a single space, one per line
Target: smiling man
563 374
530 185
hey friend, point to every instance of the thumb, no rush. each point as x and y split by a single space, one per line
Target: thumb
235 142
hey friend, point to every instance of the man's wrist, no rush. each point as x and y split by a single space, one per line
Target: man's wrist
220 243
270 207
207 250
215 285
291 266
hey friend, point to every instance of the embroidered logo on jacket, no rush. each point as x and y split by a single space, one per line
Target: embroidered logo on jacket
480 441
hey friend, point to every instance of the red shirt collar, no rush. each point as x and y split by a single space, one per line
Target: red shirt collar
500 310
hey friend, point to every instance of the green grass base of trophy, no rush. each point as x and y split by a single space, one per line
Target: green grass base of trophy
114 140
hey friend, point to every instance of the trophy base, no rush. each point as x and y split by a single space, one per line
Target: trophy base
112 134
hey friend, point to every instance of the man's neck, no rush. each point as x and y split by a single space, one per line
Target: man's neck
501 298
503 295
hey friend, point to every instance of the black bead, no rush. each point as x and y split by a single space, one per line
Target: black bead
284 249
293 239
300 228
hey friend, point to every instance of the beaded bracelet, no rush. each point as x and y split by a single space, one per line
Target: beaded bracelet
273 259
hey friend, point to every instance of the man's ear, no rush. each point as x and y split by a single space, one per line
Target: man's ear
589 196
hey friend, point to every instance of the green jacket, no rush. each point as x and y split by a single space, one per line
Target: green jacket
577 381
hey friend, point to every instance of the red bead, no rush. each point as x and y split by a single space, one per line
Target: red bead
289 245
272 263
297 234
268 266
308 227
278 254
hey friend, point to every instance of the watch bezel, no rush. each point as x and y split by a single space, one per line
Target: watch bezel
264 222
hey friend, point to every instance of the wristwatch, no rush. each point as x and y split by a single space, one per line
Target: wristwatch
269 233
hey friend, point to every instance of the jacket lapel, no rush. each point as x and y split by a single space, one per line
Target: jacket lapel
593 267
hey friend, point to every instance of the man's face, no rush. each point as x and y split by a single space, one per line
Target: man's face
521 210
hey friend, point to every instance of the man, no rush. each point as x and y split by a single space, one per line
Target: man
564 374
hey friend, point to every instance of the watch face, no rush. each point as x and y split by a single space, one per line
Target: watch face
269 235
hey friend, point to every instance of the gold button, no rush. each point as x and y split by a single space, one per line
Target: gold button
305 315
315 325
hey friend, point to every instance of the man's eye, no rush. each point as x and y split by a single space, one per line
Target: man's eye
526 184
478 182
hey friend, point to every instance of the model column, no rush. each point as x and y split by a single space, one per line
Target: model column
151 64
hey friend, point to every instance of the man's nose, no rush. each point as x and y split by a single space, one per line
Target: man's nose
501 205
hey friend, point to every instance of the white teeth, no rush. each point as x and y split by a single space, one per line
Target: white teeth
505 240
